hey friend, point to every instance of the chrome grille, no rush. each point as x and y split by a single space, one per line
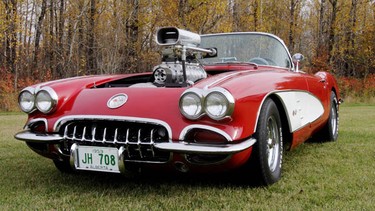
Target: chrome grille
138 139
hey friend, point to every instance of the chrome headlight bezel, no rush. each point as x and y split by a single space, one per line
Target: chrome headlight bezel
196 95
31 92
51 101
224 99
203 98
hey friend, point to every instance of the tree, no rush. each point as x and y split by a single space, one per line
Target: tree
38 33
132 33
91 46
63 38
11 34
332 30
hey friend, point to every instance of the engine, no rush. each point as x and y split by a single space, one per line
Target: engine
169 73
179 66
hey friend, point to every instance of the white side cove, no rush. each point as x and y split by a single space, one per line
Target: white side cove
302 108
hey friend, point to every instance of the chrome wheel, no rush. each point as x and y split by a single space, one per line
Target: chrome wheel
330 130
334 119
273 144
267 154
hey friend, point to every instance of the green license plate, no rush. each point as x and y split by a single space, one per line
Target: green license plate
94 158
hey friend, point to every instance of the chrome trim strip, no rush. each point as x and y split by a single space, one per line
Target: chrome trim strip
288 117
223 78
121 160
26 127
183 147
29 89
205 127
50 83
38 138
306 109
74 156
65 119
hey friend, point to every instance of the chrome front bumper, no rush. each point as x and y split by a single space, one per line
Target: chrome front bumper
179 147
184 147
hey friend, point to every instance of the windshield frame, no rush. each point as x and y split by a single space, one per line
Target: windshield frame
291 68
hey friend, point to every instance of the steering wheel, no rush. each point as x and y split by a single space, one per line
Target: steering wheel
259 60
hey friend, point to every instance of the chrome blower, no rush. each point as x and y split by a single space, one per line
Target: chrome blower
180 66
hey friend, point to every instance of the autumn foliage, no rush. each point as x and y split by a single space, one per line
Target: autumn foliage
49 39
354 89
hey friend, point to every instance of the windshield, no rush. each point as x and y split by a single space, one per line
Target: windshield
259 48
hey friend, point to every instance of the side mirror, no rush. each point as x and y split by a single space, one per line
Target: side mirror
297 58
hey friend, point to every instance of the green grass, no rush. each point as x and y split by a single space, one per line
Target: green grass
328 176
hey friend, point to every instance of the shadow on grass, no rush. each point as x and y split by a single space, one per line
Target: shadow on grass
153 180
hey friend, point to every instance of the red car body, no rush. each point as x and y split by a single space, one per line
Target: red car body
158 135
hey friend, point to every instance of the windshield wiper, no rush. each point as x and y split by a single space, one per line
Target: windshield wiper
234 62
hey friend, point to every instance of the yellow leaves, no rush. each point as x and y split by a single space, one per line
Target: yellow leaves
125 28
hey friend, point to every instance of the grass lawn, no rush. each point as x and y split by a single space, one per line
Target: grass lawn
328 176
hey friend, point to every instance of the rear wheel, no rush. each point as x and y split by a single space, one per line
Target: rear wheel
267 154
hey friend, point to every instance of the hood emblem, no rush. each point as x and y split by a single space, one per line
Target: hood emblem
117 101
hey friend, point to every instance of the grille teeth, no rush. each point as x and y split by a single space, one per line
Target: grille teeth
74 133
137 139
152 142
84 134
104 134
139 143
115 137
93 133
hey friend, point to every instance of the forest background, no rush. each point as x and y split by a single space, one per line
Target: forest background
42 40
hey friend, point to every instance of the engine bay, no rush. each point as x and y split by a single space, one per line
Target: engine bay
167 74
180 65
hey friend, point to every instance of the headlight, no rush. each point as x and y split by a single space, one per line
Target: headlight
219 104
191 105
46 100
26 100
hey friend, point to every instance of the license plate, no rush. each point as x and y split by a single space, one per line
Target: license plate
97 159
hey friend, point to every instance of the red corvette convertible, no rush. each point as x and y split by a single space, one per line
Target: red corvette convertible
216 102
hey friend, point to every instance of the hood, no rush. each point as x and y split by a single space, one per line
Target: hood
90 95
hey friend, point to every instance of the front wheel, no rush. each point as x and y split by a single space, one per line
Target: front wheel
63 166
268 150
330 131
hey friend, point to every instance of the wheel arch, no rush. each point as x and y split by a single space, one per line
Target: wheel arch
336 93
287 135
334 86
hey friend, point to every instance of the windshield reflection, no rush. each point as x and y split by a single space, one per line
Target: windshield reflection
258 48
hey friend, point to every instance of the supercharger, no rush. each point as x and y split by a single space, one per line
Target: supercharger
179 65
169 73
